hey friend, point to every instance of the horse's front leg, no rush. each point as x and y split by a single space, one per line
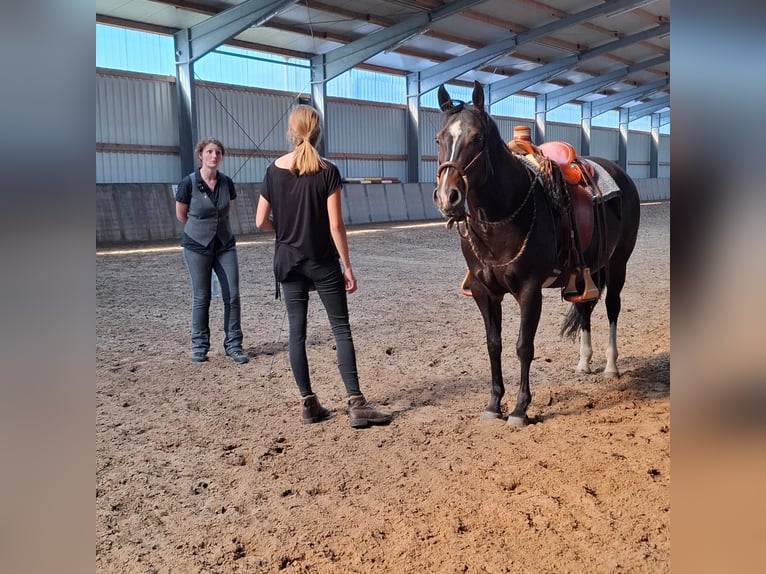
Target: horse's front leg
492 313
530 305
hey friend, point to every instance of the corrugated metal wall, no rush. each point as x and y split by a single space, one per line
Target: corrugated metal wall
137 133
604 143
131 110
663 169
374 130
638 155
243 119
563 133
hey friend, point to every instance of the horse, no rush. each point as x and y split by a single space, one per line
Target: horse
512 229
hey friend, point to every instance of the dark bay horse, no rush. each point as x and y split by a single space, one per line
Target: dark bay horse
511 235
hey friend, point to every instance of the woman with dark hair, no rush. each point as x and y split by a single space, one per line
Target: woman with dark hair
203 203
301 202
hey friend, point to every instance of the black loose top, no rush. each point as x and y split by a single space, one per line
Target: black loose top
299 215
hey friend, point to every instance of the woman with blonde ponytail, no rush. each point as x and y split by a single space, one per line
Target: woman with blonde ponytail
301 202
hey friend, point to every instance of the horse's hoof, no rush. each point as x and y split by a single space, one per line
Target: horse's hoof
490 416
612 374
518 422
583 370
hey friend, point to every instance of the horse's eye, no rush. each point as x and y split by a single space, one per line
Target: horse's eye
477 138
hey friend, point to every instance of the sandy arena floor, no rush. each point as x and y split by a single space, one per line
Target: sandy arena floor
207 467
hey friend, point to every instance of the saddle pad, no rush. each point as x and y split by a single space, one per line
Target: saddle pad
605 182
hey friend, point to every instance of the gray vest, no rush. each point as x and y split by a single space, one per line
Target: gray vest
205 220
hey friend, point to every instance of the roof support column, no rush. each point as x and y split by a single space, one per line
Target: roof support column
187 100
413 127
319 98
622 144
538 137
585 128
654 147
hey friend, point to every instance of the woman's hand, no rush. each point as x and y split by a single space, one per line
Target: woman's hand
350 280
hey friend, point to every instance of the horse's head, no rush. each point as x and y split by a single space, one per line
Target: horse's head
462 160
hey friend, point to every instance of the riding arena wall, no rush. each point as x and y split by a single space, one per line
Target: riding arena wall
138 165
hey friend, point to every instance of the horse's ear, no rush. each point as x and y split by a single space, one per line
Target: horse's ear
478 96
445 102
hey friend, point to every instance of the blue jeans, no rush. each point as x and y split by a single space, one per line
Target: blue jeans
327 278
226 267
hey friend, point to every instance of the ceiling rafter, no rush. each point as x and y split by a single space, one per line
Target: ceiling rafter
429 51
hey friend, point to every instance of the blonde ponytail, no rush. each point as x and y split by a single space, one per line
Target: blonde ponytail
304 129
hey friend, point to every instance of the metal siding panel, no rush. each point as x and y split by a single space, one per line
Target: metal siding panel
564 133
430 121
664 149
395 169
137 168
365 129
364 168
135 111
428 171
243 119
639 145
604 143
638 171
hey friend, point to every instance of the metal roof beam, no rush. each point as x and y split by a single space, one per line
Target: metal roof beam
598 107
562 96
214 31
641 110
665 118
509 86
440 73
346 57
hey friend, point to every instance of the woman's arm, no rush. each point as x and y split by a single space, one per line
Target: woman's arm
182 211
338 232
262 221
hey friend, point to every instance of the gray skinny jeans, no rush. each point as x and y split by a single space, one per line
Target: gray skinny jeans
226 267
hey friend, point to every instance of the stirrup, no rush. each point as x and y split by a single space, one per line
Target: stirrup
465 288
590 291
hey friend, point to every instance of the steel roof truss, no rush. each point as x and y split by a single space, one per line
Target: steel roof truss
562 96
440 73
509 86
641 110
620 98
214 31
346 57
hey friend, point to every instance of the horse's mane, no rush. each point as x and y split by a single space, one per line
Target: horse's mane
546 171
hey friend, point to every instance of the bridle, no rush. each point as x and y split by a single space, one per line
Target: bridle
463 177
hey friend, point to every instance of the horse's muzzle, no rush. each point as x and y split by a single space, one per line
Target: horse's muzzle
450 200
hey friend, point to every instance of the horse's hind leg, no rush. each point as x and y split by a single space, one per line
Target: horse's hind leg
613 306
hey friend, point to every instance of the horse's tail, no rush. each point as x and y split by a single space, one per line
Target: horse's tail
571 325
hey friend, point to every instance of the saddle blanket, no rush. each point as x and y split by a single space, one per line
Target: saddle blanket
605 182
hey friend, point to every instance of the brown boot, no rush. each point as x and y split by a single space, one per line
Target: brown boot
361 414
313 412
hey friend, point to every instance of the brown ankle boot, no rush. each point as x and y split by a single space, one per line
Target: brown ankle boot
362 414
313 412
